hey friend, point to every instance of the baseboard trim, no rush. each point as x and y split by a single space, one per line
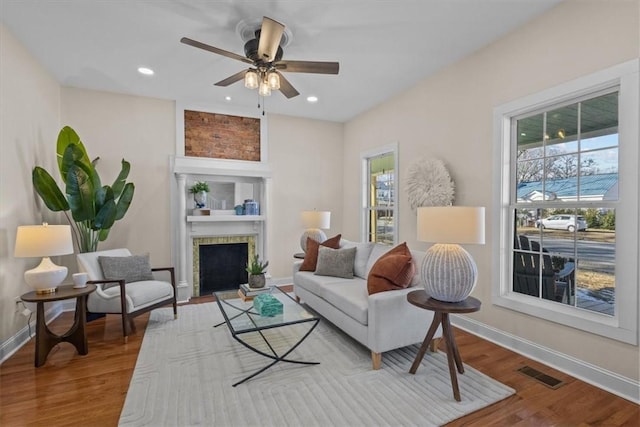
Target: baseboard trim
15 342
612 382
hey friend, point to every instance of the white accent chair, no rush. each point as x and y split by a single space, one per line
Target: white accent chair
128 299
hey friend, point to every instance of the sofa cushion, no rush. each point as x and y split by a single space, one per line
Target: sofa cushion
311 256
134 268
350 297
363 251
315 284
335 262
393 270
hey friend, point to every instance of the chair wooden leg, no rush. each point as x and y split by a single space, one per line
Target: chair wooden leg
376 360
297 299
433 346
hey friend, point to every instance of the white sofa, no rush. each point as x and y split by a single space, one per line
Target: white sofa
382 321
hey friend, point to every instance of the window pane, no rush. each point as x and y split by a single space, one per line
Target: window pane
562 130
599 116
379 213
526 272
595 275
530 133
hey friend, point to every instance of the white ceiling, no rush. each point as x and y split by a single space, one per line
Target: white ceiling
383 46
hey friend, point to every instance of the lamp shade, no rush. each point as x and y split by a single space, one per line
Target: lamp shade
451 224
43 241
316 219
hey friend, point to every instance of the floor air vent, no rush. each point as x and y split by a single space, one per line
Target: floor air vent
541 377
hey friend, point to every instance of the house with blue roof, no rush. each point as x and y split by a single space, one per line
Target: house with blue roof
592 188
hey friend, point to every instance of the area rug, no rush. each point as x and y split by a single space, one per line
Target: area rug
185 369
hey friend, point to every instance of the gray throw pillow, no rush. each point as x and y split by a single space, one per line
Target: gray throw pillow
133 268
335 262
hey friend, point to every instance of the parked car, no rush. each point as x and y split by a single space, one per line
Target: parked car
563 222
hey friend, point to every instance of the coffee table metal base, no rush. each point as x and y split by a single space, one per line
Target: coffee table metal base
274 354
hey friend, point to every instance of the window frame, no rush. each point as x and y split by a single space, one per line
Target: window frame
623 326
365 156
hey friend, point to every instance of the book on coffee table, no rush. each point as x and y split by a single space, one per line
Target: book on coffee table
252 292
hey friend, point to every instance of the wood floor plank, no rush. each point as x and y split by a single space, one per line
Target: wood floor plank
90 390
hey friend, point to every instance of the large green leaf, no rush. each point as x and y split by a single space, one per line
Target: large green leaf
105 216
120 181
103 234
125 200
66 137
48 190
102 196
80 193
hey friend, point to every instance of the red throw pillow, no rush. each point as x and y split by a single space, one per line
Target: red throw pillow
311 256
393 270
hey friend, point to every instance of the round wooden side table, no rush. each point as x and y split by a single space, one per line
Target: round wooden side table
76 335
441 311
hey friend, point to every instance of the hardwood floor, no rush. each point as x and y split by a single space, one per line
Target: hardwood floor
90 390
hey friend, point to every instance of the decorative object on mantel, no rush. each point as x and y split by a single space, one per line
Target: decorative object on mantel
199 191
201 212
313 222
239 209
448 272
251 207
429 184
94 206
256 269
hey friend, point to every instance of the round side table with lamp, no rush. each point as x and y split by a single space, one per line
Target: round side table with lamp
76 335
441 311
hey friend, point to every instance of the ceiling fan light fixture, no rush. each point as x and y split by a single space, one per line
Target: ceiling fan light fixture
264 89
251 79
273 80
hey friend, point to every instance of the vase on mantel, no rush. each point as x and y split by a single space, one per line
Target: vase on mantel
200 198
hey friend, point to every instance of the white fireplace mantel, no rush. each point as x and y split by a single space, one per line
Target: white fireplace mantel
186 227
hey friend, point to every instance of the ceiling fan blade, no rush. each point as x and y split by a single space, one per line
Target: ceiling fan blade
232 79
316 67
270 36
222 52
286 88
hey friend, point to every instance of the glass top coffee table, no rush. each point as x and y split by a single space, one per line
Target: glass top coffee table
242 319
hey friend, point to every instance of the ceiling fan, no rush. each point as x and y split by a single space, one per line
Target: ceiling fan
264 53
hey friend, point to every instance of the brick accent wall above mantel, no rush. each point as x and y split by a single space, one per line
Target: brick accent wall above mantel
220 136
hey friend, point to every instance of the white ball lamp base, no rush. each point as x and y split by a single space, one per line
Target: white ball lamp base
315 234
46 277
448 273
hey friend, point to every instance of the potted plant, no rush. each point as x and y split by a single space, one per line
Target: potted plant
256 269
94 207
199 191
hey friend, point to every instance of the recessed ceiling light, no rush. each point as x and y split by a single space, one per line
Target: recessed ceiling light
146 71
227 98
312 99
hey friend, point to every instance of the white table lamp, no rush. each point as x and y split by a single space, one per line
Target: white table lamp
44 241
448 272
314 221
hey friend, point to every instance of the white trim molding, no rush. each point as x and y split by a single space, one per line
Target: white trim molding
619 385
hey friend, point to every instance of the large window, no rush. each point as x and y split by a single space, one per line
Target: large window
569 204
566 192
379 217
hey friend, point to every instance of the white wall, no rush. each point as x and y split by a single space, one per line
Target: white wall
29 126
142 131
306 158
449 116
